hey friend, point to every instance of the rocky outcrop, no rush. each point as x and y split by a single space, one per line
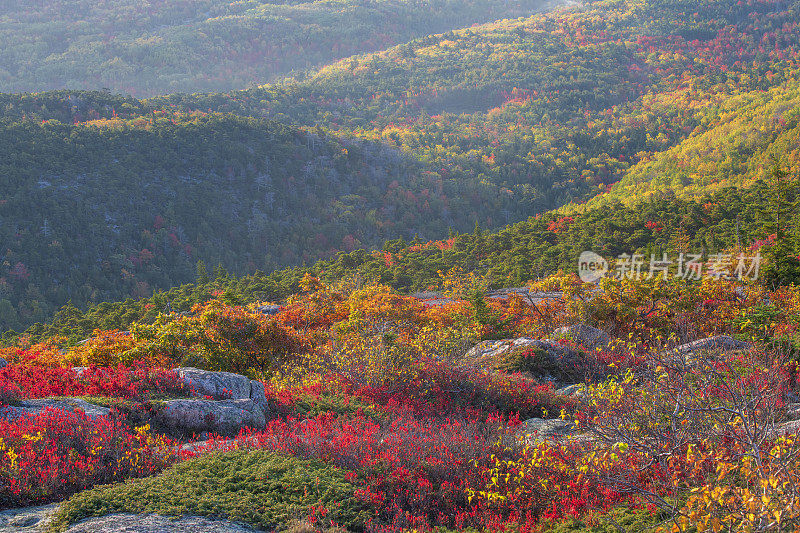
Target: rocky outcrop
570 390
222 385
269 309
222 403
27 519
549 360
236 402
225 417
545 427
587 336
690 354
67 405
258 395
488 350
538 429
719 342
3 363
218 385
134 523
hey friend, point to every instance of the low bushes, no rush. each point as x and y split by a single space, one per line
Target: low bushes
256 487
413 472
443 389
54 454
571 367
139 382
415 439
217 337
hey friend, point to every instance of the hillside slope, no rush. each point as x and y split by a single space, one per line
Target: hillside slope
730 219
551 108
111 208
147 48
736 144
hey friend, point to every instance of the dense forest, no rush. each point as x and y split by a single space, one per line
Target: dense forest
159 47
732 220
114 208
558 107
590 106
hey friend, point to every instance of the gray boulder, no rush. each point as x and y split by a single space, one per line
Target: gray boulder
3 363
67 405
718 342
538 429
214 384
493 349
555 363
258 395
269 309
27 519
546 426
793 411
587 336
225 417
570 390
689 354
426 295
134 523
237 402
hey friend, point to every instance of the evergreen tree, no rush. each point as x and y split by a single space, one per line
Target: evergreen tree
202 273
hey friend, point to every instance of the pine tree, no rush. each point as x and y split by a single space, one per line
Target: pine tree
202 273
782 262
681 240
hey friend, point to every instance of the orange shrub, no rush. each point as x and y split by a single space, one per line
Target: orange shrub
217 337
49 353
104 348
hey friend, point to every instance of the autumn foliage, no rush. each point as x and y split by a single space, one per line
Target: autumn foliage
375 382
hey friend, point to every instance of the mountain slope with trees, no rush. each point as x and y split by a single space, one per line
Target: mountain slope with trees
148 48
556 107
616 101
739 140
113 208
731 220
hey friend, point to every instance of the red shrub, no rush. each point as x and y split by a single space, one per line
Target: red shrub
415 471
121 382
441 389
55 454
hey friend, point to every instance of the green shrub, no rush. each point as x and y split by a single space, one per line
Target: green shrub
255 487
310 405
619 519
532 360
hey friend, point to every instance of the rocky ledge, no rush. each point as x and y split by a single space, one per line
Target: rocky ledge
132 523
222 403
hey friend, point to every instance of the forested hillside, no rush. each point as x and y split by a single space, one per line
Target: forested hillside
158 47
603 102
740 138
113 208
558 106
731 220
